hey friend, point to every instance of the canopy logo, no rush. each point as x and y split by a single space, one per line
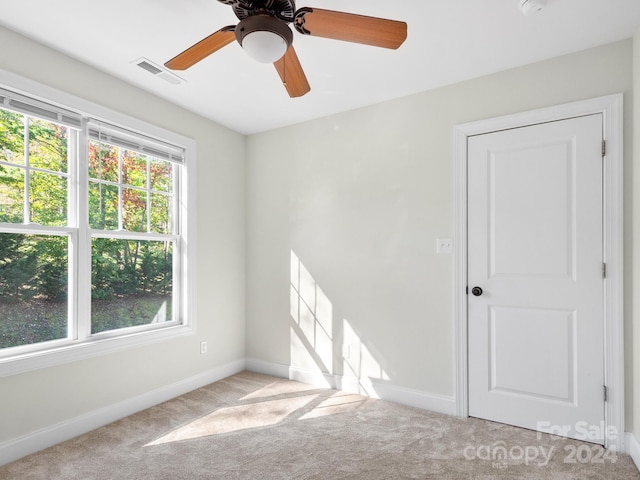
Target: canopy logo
502 456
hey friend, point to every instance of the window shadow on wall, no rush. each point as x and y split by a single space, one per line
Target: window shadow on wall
324 345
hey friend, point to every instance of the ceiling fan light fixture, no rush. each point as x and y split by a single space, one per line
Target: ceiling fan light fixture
265 38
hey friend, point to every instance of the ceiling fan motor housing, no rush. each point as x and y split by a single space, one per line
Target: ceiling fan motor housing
283 9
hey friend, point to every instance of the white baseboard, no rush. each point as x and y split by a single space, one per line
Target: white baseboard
27 444
47 437
633 448
383 391
267 368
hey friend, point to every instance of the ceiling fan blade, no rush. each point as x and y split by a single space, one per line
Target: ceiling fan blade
378 32
291 74
202 49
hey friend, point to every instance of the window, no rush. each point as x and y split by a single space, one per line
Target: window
92 231
131 205
35 234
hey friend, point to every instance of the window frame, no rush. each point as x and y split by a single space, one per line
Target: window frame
80 343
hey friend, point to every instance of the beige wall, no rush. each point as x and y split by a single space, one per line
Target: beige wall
357 198
360 199
32 401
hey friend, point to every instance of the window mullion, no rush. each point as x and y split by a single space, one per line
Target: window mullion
176 228
73 245
26 215
148 194
180 265
120 191
83 253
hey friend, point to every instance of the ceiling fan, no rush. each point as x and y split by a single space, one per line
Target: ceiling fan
264 33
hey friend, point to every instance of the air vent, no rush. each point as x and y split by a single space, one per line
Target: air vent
145 65
158 71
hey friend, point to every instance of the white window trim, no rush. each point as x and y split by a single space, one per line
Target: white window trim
65 351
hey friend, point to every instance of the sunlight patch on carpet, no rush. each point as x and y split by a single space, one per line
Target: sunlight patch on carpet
235 419
337 403
278 388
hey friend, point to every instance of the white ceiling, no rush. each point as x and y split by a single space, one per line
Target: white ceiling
448 41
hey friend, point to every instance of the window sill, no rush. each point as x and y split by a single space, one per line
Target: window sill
28 362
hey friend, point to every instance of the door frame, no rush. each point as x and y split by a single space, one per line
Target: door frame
610 107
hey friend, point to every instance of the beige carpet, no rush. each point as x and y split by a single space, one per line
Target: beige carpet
252 426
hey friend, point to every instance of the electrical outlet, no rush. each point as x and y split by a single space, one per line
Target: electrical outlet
203 347
346 351
444 245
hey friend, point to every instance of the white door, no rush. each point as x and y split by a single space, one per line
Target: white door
535 249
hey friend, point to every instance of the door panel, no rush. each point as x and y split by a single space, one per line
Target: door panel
523 219
518 333
536 346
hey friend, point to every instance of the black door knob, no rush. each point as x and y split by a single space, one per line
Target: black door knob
477 291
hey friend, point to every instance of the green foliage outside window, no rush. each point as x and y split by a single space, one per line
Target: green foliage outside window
33 266
131 279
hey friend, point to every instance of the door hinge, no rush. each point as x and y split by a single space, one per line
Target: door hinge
604 270
604 147
604 388
467 290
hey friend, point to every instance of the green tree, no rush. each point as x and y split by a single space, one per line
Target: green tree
130 278
32 266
